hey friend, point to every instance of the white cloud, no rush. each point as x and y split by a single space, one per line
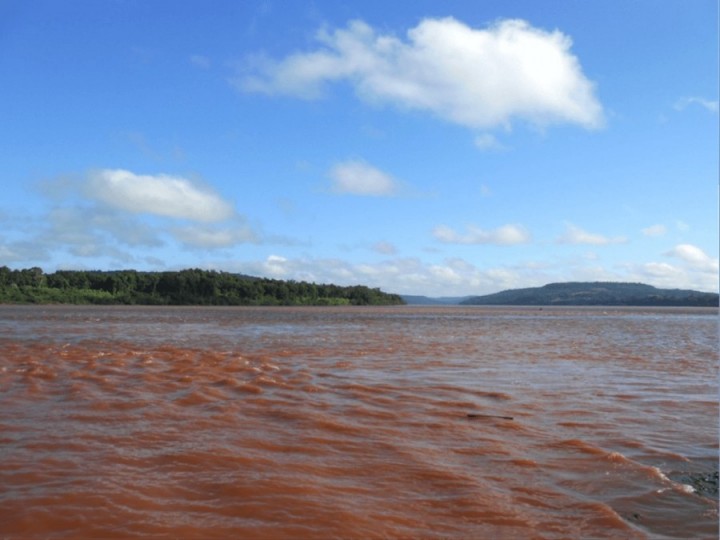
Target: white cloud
481 78
693 256
694 270
502 236
655 230
665 275
276 266
576 235
708 104
359 178
160 194
445 274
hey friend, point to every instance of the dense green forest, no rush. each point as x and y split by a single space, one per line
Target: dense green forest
184 287
596 294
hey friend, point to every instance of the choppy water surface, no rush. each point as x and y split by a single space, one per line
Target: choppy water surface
353 423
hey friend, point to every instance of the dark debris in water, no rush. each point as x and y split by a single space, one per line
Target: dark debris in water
705 484
477 415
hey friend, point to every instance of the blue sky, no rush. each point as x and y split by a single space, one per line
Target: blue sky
427 147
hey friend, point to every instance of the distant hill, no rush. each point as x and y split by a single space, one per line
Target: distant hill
595 294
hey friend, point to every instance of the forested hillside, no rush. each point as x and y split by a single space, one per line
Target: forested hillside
596 294
185 287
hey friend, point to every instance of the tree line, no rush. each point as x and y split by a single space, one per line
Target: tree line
183 287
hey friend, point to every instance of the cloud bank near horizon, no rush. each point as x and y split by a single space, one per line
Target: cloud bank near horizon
455 276
130 218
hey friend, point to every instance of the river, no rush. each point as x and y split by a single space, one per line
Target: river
392 422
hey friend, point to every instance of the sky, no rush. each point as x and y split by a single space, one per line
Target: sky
440 148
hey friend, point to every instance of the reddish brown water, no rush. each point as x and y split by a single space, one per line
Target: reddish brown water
352 423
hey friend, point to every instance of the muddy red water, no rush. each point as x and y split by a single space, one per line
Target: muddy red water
353 423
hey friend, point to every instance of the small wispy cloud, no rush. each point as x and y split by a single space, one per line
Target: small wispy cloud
78 226
575 235
206 237
506 235
681 225
23 251
200 61
385 248
355 177
488 142
708 104
655 230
